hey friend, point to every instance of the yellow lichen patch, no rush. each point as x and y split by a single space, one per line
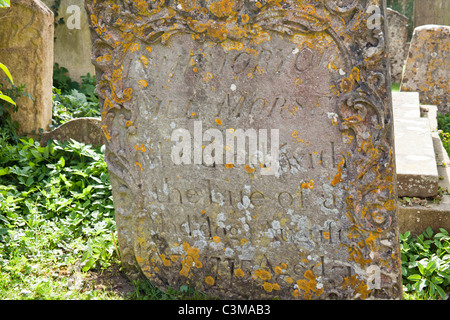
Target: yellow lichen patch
262 274
139 165
249 169
218 121
187 5
190 259
232 45
261 37
222 8
308 185
243 241
208 77
245 18
360 289
228 165
298 82
144 61
338 177
165 261
278 270
210 280
269 287
142 83
203 211
106 132
239 273
173 257
308 286
216 239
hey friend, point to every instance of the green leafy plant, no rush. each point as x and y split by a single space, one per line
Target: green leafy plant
5 3
55 209
62 81
75 103
8 105
426 264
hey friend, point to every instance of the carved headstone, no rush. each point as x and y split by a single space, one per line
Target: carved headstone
428 66
309 210
26 48
398 37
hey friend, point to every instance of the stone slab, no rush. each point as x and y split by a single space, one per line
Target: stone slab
428 66
417 174
26 48
435 214
315 216
85 130
398 38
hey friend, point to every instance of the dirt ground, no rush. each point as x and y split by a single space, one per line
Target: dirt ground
111 280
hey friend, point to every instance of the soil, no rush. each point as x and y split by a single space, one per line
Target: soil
110 280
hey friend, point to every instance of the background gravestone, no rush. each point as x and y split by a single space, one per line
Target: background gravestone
26 48
72 45
428 68
431 12
324 225
398 36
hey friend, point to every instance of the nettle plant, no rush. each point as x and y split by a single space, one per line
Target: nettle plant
426 264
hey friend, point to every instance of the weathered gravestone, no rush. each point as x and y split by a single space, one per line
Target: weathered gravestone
398 35
26 48
311 213
427 68
72 45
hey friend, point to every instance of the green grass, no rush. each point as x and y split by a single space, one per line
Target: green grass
396 87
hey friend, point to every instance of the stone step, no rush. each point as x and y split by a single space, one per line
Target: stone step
417 217
417 174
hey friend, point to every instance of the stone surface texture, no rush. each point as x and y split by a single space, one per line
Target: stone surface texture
427 68
324 225
85 130
398 38
26 48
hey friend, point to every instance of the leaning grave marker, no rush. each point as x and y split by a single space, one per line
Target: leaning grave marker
320 225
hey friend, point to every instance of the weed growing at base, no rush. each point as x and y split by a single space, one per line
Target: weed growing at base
55 208
426 265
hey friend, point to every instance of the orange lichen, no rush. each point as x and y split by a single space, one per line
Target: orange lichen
269 287
360 288
210 280
142 83
239 273
308 185
338 177
262 274
165 261
191 258
208 77
307 287
249 169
